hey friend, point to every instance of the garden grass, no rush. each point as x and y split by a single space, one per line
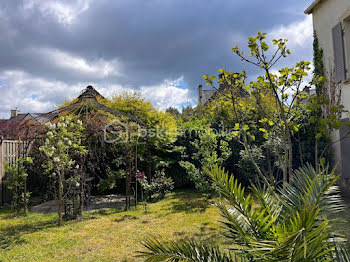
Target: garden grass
107 235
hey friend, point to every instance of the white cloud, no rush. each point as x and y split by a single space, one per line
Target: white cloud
33 94
66 12
299 34
96 68
167 94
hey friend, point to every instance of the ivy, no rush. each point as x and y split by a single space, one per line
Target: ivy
318 64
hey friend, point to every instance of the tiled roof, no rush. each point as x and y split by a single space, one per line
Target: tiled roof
10 127
206 95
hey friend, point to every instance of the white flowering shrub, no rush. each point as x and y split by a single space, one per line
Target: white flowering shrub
63 144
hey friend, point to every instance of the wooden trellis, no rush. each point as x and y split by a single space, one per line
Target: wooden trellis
10 151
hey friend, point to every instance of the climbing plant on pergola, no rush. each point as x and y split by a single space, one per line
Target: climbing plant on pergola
84 106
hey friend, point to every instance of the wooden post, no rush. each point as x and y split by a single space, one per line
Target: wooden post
136 171
1 172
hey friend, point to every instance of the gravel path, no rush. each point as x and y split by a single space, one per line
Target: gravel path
96 202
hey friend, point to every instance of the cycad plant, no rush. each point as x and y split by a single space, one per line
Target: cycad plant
294 223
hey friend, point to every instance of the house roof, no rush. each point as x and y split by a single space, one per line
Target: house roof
9 127
312 6
206 95
3 123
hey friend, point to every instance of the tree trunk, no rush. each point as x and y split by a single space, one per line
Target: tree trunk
257 168
129 161
149 163
81 189
285 161
25 197
300 150
60 197
316 156
290 155
269 166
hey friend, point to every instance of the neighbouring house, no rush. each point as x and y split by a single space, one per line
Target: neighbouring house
12 128
205 96
331 22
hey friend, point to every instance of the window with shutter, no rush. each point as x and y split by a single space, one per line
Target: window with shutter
339 54
346 36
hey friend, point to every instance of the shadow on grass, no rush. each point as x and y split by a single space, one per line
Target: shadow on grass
9 213
126 217
189 202
101 212
208 234
13 234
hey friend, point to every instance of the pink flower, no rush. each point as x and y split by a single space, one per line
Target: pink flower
141 175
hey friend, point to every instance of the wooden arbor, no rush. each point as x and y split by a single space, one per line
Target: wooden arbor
88 102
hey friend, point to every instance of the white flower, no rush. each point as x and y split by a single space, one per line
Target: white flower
58 125
50 133
77 184
79 122
47 141
69 143
56 159
77 166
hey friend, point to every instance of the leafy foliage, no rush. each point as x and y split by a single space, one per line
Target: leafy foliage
290 104
62 145
318 63
159 186
209 150
177 251
288 225
16 181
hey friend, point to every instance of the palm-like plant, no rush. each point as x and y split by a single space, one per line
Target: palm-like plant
289 224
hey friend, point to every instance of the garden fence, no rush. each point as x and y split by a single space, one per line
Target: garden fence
10 151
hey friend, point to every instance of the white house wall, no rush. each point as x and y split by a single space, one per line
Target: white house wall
326 15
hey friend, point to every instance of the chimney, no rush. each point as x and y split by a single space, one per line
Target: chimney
200 94
14 113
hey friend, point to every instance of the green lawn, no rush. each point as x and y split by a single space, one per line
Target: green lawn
106 235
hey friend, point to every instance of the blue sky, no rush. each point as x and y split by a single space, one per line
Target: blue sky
50 50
